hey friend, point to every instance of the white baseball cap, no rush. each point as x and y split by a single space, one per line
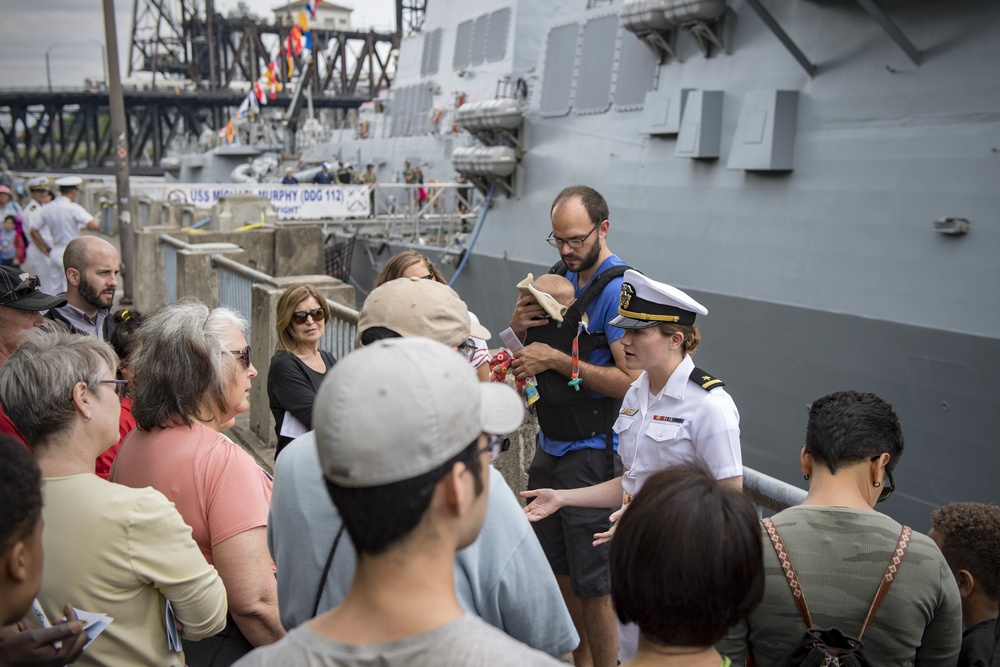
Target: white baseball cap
400 408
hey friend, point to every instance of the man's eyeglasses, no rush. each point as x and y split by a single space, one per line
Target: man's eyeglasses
887 488
119 386
243 355
468 348
301 316
575 244
495 445
27 285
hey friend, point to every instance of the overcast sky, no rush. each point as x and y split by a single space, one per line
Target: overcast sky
72 32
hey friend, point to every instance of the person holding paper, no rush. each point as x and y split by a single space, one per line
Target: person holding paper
298 365
193 375
109 549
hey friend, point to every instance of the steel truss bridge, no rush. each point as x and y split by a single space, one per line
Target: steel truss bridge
202 65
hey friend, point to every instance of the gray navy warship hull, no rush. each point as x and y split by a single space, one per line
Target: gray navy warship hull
795 198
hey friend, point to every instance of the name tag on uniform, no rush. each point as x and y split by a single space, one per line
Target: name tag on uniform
664 418
629 412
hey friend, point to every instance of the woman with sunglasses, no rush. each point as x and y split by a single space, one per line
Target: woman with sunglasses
109 549
192 374
840 547
298 365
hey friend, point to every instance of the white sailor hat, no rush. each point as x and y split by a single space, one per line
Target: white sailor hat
646 303
69 182
39 183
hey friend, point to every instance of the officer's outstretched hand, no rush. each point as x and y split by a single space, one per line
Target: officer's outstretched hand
601 538
24 645
546 502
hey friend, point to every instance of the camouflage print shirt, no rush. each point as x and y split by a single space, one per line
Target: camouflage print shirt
840 555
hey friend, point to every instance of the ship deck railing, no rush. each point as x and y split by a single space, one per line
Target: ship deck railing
396 211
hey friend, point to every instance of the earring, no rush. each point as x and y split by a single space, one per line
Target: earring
805 477
876 484
86 418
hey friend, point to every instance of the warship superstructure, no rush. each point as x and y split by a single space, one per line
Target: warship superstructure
824 175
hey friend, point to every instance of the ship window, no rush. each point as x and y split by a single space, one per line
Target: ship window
496 42
462 38
557 76
431 52
477 52
597 60
637 72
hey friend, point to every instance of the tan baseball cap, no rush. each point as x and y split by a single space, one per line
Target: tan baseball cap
400 408
418 307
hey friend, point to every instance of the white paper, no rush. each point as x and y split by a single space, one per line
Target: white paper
170 624
292 427
93 624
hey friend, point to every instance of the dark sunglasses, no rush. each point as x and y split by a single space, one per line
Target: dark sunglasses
120 387
26 286
243 355
494 445
887 489
301 316
468 348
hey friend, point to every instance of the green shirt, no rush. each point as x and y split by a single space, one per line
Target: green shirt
840 555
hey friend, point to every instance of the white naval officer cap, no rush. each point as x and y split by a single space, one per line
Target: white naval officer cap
645 303
69 181
39 183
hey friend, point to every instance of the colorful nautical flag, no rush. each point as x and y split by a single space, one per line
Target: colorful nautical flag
311 5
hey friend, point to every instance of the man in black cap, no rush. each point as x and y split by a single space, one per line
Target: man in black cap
21 306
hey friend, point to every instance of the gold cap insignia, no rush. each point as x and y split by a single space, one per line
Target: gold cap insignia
626 296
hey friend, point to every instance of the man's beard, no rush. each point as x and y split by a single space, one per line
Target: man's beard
589 260
92 296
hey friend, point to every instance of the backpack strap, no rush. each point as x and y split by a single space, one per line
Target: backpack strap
786 565
902 544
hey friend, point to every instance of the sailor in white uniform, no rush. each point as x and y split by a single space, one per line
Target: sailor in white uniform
673 412
31 217
63 219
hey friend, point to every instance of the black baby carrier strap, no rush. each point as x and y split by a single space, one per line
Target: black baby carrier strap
563 412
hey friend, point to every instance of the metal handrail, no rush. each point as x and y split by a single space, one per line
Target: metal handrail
342 312
242 271
770 492
174 242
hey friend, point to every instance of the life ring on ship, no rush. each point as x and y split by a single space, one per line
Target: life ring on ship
363 129
436 116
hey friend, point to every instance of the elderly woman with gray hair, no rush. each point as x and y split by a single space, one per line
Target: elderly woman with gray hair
192 374
108 548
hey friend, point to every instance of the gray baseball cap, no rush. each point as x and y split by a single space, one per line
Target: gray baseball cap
401 407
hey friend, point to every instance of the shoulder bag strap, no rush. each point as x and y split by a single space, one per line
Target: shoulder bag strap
902 544
326 571
786 565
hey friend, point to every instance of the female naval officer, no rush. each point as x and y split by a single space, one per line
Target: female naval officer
673 412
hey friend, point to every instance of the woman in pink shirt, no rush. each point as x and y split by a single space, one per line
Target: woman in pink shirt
192 375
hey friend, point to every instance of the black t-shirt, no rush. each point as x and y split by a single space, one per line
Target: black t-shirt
977 644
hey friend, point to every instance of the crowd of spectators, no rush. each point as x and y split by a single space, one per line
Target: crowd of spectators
385 537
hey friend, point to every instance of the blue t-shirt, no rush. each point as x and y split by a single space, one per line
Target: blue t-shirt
601 310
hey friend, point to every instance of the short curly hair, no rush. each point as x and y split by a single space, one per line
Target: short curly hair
970 540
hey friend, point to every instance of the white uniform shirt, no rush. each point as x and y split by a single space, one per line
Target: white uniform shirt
682 422
63 219
31 218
